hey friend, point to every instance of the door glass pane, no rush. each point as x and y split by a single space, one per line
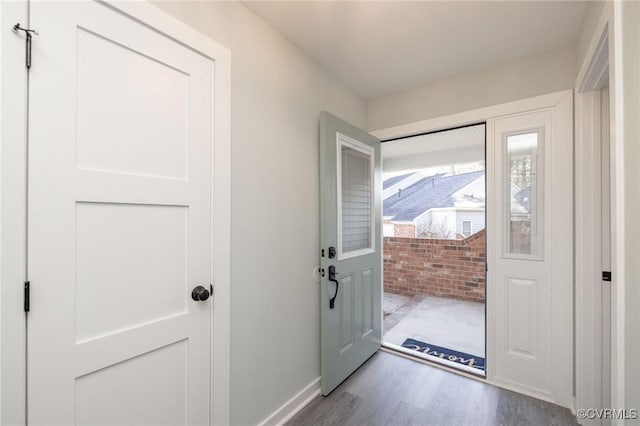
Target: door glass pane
356 186
523 232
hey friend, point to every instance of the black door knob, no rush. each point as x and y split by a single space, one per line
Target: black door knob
200 294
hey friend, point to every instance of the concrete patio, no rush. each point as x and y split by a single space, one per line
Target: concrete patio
446 322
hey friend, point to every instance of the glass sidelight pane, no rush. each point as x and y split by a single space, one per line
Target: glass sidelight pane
356 195
523 161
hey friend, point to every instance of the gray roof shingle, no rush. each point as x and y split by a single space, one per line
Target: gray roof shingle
393 180
427 193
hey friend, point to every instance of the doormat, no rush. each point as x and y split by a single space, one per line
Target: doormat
472 361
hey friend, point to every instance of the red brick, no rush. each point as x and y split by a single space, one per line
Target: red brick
439 267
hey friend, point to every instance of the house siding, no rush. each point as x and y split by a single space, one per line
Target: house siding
477 220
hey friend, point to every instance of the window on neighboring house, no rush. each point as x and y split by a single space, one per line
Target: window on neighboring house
466 228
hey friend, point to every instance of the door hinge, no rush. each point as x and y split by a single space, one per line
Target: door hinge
29 33
606 276
27 296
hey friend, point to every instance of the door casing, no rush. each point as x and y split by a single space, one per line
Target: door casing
593 366
470 117
13 166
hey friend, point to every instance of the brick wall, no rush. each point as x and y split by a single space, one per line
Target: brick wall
437 267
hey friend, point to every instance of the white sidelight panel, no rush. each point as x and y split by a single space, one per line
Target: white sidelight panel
530 294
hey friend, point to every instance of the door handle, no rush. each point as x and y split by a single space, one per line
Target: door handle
200 294
332 278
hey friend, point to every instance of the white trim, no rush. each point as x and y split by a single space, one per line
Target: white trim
603 59
13 195
588 256
469 117
286 411
618 376
594 70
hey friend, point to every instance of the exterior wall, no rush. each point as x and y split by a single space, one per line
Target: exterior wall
437 267
437 219
388 229
477 220
404 230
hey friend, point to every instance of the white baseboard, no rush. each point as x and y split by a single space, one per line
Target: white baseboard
294 405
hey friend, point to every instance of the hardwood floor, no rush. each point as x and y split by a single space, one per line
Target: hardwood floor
391 390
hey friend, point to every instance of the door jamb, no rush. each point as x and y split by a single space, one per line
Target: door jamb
13 195
601 63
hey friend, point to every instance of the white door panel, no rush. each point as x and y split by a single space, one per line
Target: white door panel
531 265
120 222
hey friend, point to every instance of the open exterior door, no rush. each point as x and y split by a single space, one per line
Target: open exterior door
351 251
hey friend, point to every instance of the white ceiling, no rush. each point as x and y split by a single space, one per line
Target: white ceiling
382 47
455 146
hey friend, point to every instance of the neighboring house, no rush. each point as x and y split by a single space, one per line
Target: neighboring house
447 206
438 206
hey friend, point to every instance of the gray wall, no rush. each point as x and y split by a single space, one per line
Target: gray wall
277 95
538 75
591 19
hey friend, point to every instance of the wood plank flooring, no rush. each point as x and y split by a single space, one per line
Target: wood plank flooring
391 390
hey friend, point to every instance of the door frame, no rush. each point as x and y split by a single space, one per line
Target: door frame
488 114
13 166
602 62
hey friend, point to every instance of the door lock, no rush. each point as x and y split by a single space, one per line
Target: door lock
332 252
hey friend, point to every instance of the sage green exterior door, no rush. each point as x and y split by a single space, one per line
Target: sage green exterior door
351 252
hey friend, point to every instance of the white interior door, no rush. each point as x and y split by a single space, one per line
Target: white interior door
531 299
119 222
